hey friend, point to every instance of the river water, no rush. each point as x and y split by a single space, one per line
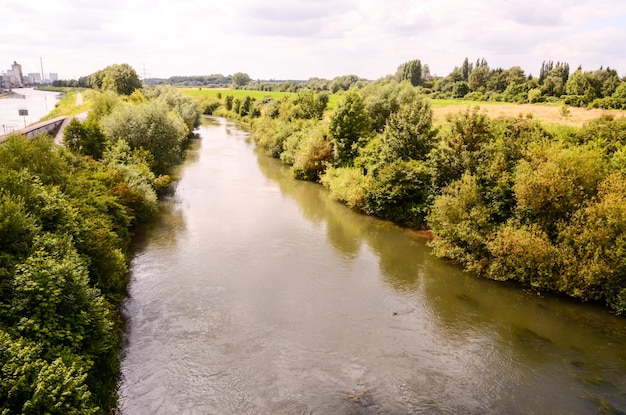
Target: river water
38 104
257 294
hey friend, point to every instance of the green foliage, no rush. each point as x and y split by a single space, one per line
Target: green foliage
103 104
345 83
310 105
349 128
313 155
409 133
595 242
553 181
240 79
270 135
400 191
86 139
462 220
620 92
121 79
32 385
229 102
150 126
347 185
39 156
384 98
64 231
524 253
55 304
460 89
308 150
607 132
411 71
459 149
185 107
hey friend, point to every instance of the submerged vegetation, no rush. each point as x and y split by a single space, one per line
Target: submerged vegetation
66 218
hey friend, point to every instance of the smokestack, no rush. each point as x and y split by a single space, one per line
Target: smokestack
42 77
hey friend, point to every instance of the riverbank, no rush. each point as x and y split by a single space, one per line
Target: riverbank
485 186
296 304
77 247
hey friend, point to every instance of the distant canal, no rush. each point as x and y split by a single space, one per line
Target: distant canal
38 104
257 294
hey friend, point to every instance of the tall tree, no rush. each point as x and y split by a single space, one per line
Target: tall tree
349 127
412 72
409 134
241 79
121 79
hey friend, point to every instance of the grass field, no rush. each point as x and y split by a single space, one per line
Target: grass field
549 114
242 93
200 93
67 105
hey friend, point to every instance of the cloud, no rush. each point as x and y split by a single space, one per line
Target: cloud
296 39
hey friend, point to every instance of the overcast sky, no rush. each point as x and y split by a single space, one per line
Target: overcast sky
300 39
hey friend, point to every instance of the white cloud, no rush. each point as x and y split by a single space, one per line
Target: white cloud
297 39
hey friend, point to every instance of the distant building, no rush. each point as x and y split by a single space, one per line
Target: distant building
53 77
16 73
34 78
12 78
5 81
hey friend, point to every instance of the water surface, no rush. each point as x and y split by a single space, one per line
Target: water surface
257 294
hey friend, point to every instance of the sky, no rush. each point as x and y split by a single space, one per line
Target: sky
301 39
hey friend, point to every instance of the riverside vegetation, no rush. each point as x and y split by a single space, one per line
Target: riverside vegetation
506 197
67 215
509 198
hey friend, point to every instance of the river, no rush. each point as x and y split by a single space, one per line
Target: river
257 294
38 104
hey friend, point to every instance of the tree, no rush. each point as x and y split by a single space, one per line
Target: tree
312 155
86 139
577 84
150 126
54 305
121 79
349 127
553 181
241 79
466 69
412 72
620 92
310 105
31 385
186 107
400 191
596 240
478 78
408 133
461 218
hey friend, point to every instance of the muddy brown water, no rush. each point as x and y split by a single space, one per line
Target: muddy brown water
257 294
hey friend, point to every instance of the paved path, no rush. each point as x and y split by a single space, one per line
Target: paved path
58 138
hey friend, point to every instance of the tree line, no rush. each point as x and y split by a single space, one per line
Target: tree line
67 215
477 81
506 197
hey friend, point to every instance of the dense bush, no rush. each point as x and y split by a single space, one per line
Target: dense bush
505 198
66 215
